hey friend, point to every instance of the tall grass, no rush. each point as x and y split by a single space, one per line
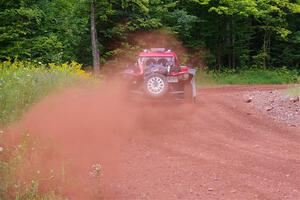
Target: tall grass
23 83
249 76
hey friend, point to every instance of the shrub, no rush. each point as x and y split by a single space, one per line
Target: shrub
23 83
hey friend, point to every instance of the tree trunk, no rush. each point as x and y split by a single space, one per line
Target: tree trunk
228 39
96 53
233 43
233 52
218 47
269 49
219 57
266 48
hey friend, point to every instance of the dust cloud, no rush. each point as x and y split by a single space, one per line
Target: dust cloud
77 135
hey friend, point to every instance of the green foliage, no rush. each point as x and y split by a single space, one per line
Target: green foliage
256 76
245 32
47 31
235 33
182 24
204 78
23 83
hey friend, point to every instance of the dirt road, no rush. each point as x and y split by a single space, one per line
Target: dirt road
219 149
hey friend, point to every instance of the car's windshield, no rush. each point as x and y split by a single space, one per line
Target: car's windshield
146 62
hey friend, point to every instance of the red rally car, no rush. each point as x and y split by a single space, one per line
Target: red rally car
157 74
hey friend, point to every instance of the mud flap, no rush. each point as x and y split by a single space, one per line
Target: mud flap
193 81
194 90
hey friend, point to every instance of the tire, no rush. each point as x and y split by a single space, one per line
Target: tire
188 93
156 85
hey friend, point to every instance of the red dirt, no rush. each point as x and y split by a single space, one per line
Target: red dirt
218 149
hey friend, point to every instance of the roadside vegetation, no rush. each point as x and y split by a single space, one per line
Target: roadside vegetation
248 76
23 83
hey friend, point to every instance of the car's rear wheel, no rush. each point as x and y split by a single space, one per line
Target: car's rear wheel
156 85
